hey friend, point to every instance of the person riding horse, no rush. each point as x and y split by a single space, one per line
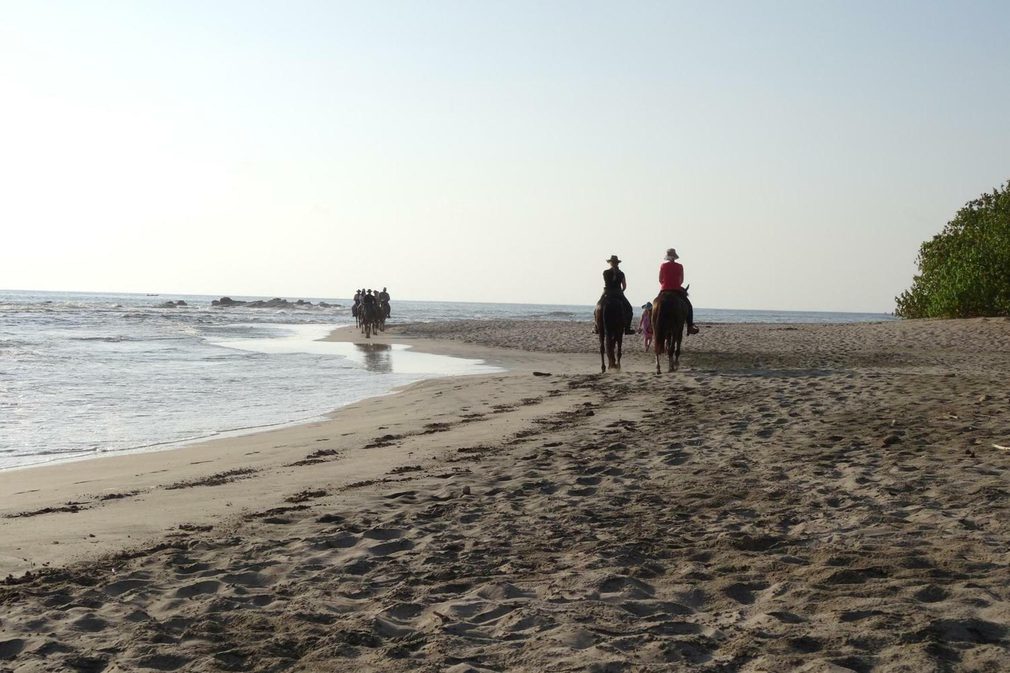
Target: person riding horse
671 279
357 302
384 303
614 285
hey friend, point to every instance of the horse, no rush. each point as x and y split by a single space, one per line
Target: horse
669 316
610 321
383 314
369 316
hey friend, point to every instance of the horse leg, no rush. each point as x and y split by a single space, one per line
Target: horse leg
603 363
678 336
620 345
657 340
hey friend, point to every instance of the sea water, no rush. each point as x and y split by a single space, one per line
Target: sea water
84 375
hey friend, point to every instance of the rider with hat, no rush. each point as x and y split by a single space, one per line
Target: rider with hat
614 285
671 279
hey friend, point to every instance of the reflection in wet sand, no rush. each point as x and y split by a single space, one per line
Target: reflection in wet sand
378 357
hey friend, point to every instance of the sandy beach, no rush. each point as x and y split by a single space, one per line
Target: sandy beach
819 498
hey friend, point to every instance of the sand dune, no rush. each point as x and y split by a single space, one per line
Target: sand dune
809 498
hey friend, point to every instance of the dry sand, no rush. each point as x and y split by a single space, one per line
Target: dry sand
811 498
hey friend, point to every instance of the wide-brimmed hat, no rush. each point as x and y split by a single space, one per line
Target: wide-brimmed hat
671 254
613 258
647 304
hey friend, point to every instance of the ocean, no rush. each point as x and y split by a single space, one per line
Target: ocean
86 375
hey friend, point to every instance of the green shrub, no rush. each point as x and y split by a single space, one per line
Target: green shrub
964 271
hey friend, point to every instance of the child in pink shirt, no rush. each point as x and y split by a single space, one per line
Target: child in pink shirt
645 325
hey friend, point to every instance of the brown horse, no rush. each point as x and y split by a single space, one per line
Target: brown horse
669 317
610 320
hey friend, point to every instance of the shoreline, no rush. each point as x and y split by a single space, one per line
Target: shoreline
59 487
815 498
171 445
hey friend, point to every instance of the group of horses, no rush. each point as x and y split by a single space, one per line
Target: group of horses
669 318
371 317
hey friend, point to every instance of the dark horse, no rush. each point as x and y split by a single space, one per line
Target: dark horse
669 317
368 313
610 321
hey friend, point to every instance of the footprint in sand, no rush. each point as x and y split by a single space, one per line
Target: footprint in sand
162 662
619 586
383 533
387 548
930 594
203 588
744 592
656 608
247 579
339 541
90 623
11 648
806 644
124 586
786 617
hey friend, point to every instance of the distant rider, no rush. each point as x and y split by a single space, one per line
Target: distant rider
357 302
384 301
614 285
368 298
671 279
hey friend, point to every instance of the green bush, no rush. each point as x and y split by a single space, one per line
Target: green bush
964 271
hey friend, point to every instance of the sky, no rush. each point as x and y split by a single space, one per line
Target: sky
795 153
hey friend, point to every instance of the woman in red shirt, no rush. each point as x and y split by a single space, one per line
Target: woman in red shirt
671 279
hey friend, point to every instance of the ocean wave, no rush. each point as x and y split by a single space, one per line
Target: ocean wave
555 315
110 339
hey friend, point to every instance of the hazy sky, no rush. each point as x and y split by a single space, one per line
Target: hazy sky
795 153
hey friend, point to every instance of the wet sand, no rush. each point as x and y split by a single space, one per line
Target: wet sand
815 498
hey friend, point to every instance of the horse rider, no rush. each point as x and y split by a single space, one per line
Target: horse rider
357 302
384 301
671 279
614 285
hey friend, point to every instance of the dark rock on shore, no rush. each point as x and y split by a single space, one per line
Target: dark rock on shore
172 304
276 302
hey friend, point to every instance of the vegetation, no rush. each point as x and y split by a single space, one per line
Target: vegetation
964 271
